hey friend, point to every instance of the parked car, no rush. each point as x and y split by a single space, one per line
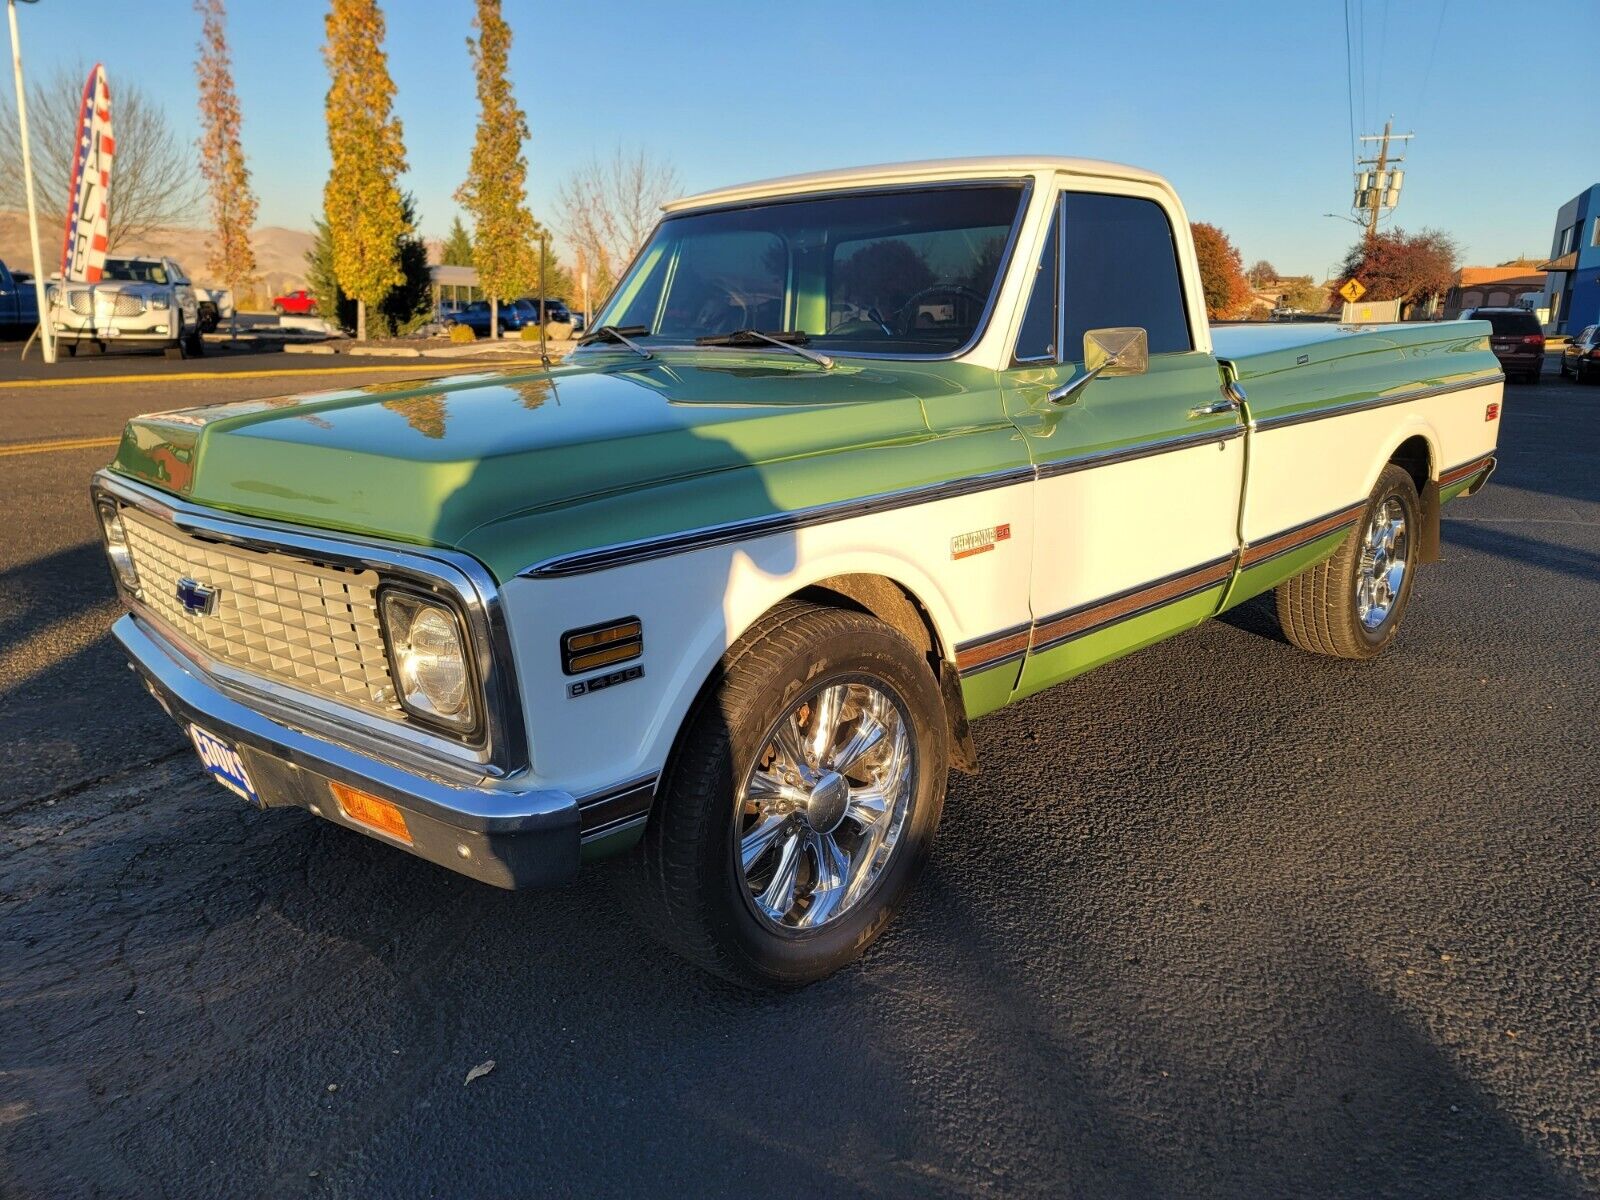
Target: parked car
215 306
19 302
514 314
885 451
1516 339
137 302
1580 358
297 303
554 310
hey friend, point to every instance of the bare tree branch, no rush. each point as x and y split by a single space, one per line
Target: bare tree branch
154 184
608 208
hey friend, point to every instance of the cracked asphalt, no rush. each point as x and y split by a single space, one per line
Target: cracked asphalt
1221 919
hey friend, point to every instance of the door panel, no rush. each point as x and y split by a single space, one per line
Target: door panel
1136 510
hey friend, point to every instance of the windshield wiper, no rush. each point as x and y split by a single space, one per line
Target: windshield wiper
792 340
620 335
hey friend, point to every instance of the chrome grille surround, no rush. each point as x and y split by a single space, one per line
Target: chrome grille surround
498 750
299 623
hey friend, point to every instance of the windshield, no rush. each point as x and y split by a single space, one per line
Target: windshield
130 271
892 272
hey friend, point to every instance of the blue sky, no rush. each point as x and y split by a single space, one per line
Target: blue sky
1242 105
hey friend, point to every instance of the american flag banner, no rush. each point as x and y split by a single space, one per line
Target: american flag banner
83 255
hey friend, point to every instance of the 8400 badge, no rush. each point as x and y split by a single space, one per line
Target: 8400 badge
584 687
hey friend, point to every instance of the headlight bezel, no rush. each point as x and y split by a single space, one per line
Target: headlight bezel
118 552
466 725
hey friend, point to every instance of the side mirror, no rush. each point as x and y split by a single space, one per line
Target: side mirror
1115 351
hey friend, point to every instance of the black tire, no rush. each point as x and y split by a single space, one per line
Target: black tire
1318 608
278 308
71 348
197 344
689 889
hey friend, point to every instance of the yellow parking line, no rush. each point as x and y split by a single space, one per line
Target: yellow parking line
412 364
58 444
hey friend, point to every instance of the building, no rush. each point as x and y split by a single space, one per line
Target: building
1491 287
1574 266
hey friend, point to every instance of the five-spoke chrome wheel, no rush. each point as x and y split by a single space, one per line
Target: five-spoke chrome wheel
824 804
1381 572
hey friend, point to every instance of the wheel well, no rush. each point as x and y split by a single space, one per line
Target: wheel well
897 607
1415 457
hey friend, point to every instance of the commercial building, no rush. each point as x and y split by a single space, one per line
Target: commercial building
1574 266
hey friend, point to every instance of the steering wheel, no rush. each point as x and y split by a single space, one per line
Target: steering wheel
958 290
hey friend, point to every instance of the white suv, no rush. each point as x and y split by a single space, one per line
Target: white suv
138 301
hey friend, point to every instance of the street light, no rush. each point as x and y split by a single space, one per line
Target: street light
46 340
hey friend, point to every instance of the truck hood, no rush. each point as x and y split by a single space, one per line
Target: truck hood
441 461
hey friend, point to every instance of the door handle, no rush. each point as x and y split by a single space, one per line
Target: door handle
1215 407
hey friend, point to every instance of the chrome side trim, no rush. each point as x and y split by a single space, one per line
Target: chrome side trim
1106 458
620 554
500 752
665 545
1340 410
616 809
1024 183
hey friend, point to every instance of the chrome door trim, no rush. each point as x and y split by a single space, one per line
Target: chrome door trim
502 751
1121 454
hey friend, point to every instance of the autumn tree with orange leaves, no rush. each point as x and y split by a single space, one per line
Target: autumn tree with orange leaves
1227 292
222 165
362 202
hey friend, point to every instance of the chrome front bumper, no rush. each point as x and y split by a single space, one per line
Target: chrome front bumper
497 835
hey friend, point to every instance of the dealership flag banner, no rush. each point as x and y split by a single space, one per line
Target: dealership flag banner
83 256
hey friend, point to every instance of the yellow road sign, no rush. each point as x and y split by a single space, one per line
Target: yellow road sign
1353 290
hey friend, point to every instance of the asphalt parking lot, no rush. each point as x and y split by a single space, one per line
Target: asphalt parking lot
1221 919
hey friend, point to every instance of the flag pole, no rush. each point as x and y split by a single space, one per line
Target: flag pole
47 340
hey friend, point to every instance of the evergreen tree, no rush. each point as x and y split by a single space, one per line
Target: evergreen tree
457 248
222 165
504 233
365 211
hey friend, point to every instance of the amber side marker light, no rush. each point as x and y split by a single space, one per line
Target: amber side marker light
601 645
375 813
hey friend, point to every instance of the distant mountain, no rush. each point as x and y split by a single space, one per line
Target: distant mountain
280 252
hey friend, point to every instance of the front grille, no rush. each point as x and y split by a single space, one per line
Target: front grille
127 306
81 303
282 618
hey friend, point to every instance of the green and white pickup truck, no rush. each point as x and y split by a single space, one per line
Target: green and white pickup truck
847 461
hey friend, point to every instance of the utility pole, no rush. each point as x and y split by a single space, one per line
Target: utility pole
1378 190
46 338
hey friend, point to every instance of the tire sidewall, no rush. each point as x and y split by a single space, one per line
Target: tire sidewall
1393 483
867 652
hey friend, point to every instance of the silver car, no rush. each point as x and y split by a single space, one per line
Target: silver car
137 302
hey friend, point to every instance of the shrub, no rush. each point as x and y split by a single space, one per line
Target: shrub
462 333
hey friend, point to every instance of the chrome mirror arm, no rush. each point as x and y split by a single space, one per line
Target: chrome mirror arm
1067 393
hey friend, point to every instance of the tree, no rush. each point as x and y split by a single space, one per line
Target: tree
153 182
457 248
222 165
361 201
322 281
504 234
1410 268
1303 294
607 209
1261 273
1221 271
401 308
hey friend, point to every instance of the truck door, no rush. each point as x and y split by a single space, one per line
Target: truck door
1136 511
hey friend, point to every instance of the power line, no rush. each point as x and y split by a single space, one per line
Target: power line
1427 73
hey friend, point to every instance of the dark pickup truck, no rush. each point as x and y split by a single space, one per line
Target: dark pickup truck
19 304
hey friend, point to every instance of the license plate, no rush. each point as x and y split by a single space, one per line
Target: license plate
222 763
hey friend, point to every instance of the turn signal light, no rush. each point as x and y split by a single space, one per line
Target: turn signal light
601 645
372 811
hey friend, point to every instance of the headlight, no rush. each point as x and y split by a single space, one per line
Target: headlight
117 545
428 654
159 302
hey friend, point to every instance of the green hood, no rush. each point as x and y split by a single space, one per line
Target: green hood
514 466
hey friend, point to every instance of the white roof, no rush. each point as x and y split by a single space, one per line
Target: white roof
930 170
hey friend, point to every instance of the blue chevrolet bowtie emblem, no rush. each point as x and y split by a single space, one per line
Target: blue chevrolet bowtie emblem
197 599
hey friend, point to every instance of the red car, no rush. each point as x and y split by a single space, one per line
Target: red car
298 302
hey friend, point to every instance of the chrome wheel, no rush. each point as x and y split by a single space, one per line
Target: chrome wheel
823 807
1382 570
